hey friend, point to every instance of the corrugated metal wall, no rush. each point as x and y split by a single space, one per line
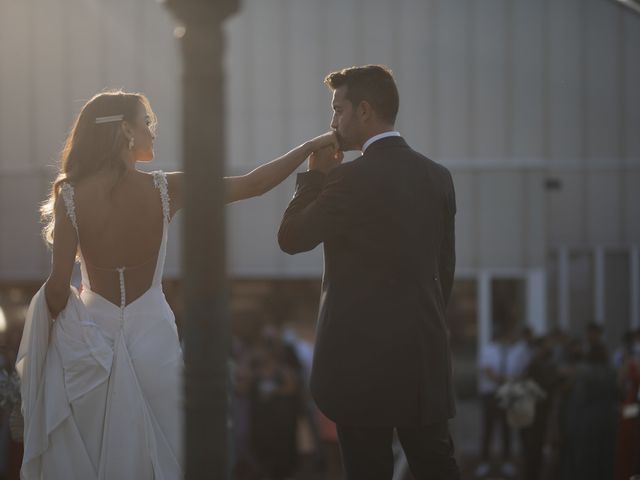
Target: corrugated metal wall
504 92
54 55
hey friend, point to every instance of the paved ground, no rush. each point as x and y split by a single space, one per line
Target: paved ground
466 431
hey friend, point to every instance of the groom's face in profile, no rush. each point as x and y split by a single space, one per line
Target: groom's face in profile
345 121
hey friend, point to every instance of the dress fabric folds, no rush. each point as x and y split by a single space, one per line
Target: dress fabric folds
101 385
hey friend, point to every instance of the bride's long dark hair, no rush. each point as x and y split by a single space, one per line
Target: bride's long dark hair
92 146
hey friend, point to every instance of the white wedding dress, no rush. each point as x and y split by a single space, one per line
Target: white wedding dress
101 385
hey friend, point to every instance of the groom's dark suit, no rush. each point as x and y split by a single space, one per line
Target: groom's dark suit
386 220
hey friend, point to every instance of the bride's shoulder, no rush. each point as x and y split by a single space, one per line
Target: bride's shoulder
174 179
173 176
173 184
170 176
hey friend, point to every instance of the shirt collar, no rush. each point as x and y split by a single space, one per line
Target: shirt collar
380 136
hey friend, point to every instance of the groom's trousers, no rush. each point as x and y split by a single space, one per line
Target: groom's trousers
367 452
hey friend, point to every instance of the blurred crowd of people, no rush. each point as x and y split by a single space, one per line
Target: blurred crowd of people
275 421
587 424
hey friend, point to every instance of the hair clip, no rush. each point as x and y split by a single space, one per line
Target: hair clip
109 119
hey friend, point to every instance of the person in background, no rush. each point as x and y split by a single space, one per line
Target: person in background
275 405
499 361
627 460
590 419
543 370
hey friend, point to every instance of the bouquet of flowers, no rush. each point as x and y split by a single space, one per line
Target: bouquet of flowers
10 400
519 399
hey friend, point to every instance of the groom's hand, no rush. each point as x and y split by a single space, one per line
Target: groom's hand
329 138
325 159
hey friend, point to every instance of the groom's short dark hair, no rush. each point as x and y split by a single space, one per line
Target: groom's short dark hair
373 83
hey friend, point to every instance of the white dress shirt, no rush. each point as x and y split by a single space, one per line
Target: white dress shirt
380 136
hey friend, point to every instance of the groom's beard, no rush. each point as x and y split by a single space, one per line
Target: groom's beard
342 143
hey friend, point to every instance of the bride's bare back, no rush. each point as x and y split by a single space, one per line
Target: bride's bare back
119 227
123 226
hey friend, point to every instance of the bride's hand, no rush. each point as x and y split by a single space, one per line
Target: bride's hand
325 159
324 140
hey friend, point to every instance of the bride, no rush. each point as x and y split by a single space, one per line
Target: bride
101 368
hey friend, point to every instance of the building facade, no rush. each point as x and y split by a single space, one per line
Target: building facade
533 106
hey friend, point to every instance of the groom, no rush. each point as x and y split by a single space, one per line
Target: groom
382 358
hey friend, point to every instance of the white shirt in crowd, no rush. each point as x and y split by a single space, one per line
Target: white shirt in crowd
509 361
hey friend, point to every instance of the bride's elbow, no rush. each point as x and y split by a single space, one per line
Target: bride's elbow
56 297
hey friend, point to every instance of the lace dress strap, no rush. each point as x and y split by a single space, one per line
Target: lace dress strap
160 181
67 192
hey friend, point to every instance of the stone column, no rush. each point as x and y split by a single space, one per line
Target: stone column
206 329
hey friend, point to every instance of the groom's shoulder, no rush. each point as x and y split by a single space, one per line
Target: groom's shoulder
437 165
348 168
431 164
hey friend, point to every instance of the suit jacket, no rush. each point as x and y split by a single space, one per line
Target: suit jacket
386 220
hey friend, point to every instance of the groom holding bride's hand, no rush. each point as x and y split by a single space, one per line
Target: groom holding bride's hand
325 159
386 220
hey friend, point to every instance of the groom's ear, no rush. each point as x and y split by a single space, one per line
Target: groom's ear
365 111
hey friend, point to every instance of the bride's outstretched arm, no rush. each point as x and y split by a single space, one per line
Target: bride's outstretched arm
268 175
259 180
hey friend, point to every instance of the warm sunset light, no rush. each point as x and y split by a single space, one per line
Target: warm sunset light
370 239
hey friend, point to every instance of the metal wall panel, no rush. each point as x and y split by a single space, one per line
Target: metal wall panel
491 87
16 77
566 95
602 83
504 92
500 219
528 73
454 79
50 106
565 215
630 78
604 206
